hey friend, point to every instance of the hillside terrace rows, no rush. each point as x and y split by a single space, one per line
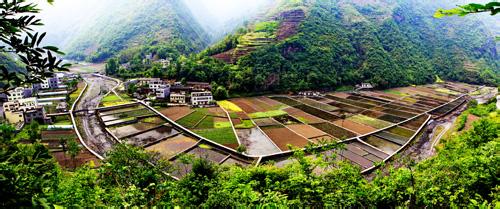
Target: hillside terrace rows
373 126
289 22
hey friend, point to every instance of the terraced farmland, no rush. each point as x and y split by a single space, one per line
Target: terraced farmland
373 126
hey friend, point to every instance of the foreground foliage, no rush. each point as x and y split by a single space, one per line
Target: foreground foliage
463 174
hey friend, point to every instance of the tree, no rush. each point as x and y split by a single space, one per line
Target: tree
112 66
74 150
16 37
27 172
34 131
221 93
493 8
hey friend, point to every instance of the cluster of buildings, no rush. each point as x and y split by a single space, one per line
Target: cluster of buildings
191 93
26 104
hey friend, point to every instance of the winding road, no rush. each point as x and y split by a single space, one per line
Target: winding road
92 132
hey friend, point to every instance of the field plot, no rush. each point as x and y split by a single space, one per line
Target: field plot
252 138
170 147
357 127
256 142
175 113
53 138
151 136
303 116
182 165
373 122
361 155
308 131
346 107
382 144
351 102
446 108
209 153
211 123
113 100
336 131
319 105
283 137
415 123
140 126
121 110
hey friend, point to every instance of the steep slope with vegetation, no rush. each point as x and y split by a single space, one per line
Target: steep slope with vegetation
308 44
130 24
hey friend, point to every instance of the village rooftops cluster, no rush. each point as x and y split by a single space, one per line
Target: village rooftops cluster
190 93
23 105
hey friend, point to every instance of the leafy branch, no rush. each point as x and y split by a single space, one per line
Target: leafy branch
17 19
493 8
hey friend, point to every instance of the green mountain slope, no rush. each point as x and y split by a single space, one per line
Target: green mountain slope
128 24
327 44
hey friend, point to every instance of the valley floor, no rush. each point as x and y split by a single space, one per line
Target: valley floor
373 125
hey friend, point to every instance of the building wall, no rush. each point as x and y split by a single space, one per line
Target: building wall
14 117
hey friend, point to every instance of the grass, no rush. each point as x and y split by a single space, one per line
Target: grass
222 124
302 120
229 106
268 114
63 123
219 135
402 131
397 93
206 123
113 100
189 121
446 91
270 26
245 124
74 95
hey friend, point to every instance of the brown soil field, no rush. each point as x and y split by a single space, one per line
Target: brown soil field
323 139
301 115
233 146
84 157
245 105
176 113
217 111
306 130
383 95
172 146
259 105
243 116
270 102
263 122
57 134
221 119
356 127
282 137
236 121
341 95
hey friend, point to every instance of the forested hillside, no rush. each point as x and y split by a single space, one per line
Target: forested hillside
131 24
309 44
